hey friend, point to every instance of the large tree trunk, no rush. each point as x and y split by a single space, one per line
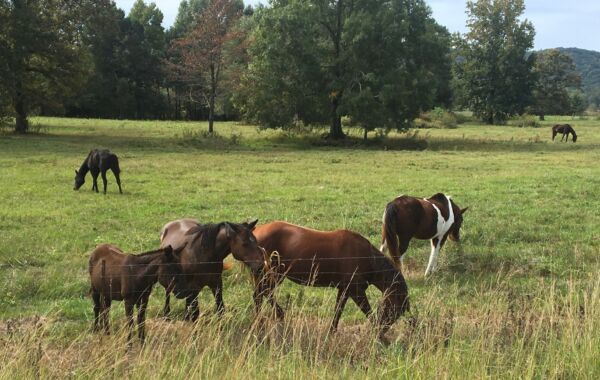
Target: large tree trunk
22 124
335 130
211 105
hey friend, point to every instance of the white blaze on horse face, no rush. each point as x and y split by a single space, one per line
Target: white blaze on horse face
442 228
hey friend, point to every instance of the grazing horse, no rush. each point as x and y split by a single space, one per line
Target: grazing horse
174 234
341 259
117 276
435 218
98 162
565 130
205 246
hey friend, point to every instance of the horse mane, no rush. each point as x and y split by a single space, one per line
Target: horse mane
208 234
440 197
148 253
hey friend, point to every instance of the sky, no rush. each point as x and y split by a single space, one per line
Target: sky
558 23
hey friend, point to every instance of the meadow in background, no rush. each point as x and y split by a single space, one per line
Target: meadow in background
518 298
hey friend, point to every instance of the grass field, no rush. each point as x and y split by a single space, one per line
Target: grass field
520 297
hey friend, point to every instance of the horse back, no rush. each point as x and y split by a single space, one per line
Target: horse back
174 232
105 268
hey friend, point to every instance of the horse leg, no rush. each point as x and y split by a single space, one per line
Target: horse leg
104 179
94 173
141 320
435 251
217 291
192 310
97 309
359 297
118 178
167 308
340 303
129 306
105 311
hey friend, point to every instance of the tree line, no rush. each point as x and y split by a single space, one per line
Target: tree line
378 63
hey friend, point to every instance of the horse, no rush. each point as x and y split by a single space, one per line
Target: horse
98 162
174 234
205 246
435 218
341 259
565 130
129 278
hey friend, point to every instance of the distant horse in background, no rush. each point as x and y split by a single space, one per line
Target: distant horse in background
341 259
565 130
435 218
98 162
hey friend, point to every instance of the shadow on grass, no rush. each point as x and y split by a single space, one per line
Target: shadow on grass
49 142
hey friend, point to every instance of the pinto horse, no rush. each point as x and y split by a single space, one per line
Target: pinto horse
565 130
341 259
204 247
130 278
98 162
435 218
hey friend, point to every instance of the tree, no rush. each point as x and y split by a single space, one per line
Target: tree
202 50
556 77
379 62
495 69
41 60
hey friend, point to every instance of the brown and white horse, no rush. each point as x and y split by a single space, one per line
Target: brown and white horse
435 218
565 130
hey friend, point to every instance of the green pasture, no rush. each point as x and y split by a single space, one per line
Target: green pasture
519 297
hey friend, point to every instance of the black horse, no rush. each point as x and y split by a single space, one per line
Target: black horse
565 130
98 161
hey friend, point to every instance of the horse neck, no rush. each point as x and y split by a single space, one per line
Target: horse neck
149 269
384 274
84 168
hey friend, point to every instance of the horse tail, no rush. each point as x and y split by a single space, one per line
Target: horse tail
389 233
227 266
117 168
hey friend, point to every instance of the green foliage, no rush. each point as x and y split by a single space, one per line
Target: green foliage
437 118
588 65
41 60
525 121
555 75
494 71
377 62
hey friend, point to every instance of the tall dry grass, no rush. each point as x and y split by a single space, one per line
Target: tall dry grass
553 332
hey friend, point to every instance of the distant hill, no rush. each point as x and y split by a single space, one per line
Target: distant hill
588 64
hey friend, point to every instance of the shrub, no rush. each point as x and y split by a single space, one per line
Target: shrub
437 118
525 121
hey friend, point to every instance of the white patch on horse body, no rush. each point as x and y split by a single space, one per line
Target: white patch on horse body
442 228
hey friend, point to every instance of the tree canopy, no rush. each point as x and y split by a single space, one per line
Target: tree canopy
495 71
379 62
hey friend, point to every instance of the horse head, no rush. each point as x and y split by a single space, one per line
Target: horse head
395 303
171 270
454 233
243 244
79 180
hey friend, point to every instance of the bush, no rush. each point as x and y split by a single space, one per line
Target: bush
525 121
437 118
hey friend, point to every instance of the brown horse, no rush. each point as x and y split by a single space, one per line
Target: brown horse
117 276
204 249
174 234
341 259
565 130
435 218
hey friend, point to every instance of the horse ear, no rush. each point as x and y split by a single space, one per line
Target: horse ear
229 230
76 172
252 225
464 210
